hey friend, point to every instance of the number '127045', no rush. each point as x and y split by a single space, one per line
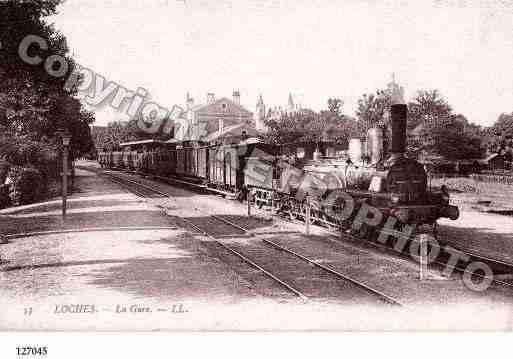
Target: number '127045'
32 351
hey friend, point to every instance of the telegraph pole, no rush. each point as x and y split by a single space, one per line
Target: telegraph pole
66 138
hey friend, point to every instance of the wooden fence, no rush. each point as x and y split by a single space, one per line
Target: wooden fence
493 178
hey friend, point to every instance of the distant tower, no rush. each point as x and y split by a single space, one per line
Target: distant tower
260 114
291 106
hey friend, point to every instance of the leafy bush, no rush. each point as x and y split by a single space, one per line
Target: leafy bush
31 166
31 154
4 196
28 185
4 169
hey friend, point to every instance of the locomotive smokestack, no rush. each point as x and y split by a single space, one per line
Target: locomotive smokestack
398 117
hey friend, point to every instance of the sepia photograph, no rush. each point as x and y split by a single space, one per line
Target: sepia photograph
255 165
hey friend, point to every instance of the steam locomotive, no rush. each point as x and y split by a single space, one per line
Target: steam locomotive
294 179
396 186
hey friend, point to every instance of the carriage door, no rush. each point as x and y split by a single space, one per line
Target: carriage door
220 165
227 168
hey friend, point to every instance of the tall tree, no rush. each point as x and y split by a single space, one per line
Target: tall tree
372 109
427 107
452 137
288 128
503 127
335 106
33 103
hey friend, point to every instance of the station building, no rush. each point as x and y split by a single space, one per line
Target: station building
201 122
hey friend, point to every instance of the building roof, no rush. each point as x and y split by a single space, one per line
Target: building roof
234 130
200 107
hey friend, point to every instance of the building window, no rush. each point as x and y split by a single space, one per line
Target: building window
223 106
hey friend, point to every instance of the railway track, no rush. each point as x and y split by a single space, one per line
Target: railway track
500 269
304 277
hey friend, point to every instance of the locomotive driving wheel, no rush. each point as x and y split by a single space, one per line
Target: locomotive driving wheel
293 210
259 199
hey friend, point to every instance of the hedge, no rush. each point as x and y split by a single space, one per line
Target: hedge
5 200
28 185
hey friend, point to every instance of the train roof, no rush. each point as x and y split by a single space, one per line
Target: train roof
141 142
173 141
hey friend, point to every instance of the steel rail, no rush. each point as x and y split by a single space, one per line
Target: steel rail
455 267
230 223
115 180
141 185
482 257
444 264
247 260
163 194
407 257
228 248
464 270
382 295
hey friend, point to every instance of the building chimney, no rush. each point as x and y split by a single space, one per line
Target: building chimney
190 101
210 98
236 97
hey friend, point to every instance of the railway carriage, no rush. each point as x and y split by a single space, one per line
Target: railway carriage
152 163
180 162
202 162
105 159
117 159
130 160
232 167
165 161
223 166
144 160
190 167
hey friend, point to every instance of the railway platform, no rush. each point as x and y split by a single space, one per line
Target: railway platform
112 246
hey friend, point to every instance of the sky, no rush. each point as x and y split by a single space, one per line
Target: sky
314 49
